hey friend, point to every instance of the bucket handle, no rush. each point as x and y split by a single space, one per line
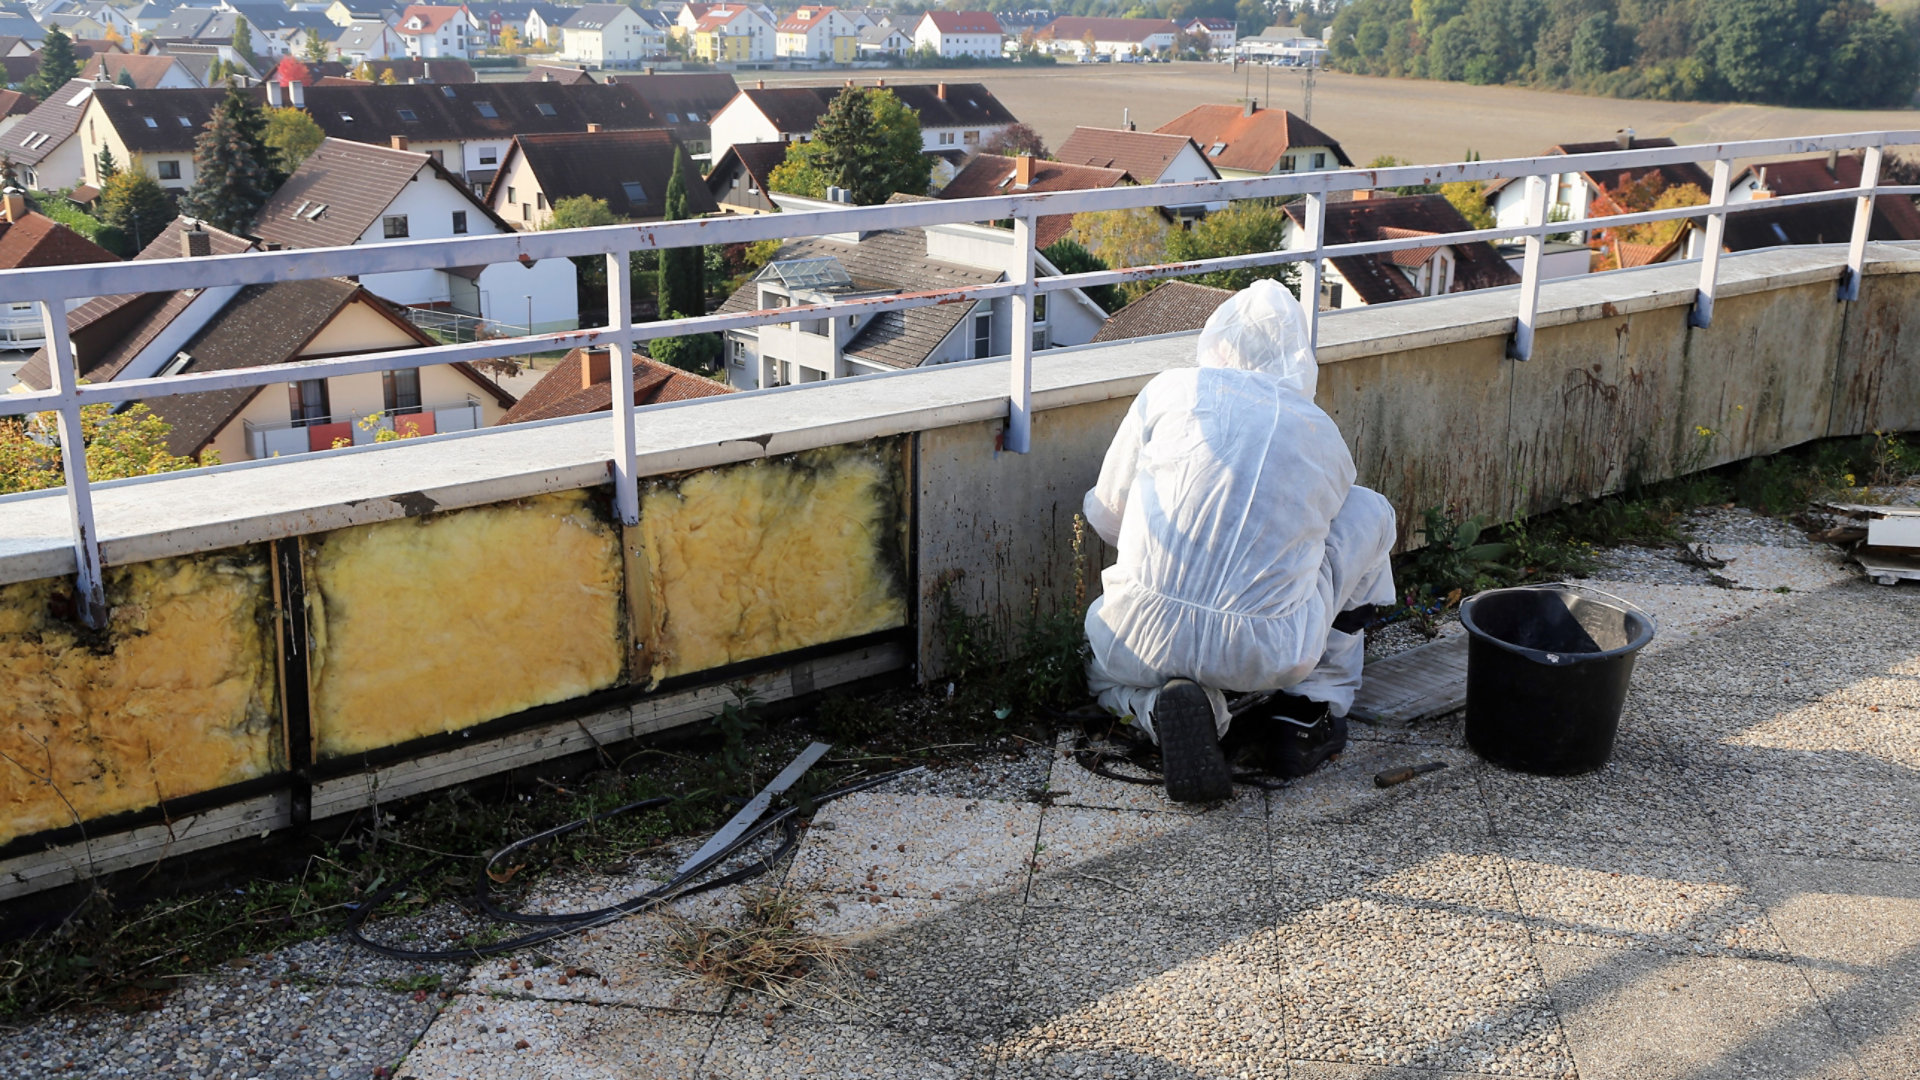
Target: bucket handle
1608 595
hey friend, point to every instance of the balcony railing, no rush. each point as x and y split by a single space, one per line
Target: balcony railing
286 438
53 286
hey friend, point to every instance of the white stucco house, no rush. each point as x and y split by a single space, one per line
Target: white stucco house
959 33
818 33
608 35
435 31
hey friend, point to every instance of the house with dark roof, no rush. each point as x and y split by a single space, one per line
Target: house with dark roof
684 101
582 384
45 145
738 182
149 130
994 174
1407 274
366 40
609 35
14 107
959 33
1894 216
1172 307
955 118
1247 140
156 71
558 73
891 262
629 170
884 39
29 239
1580 192
1150 157
352 193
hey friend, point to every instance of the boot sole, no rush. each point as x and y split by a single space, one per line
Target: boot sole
1194 767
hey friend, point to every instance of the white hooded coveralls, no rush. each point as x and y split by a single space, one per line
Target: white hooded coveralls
1241 533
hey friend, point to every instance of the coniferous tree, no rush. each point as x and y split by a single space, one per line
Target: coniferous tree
683 270
57 65
104 164
852 148
316 50
242 42
231 176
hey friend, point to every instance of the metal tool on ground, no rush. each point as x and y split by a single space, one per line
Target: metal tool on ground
1396 777
756 806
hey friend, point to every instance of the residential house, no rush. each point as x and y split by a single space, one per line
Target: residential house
348 12
629 170
432 31
608 35
219 329
155 71
29 239
152 131
993 174
148 14
884 41
23 63
1150 157
409 70
466 127
367 39
1221 34
1086 37
685 101
78 25
1581 192
1243 141
738 181
732 34
955 118
44 146
352 193
1894 216
16 21
14 108
1172 307
531 19
1409 273
581 384
199 58
959 33
887 263
818 33
1284 45
555 73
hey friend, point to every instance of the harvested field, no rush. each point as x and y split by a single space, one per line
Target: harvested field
1412 119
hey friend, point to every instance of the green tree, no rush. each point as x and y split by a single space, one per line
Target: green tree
1123 238
1069 256
1388 161
868 143
242 42
125 78
1470 198
134 203
58 65
1241 229
104 164
314 48
691 352
131 442
232 178
290 136
800 173
683 273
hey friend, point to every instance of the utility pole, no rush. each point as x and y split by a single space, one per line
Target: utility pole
1313 68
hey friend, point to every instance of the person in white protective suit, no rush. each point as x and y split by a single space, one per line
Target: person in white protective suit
1243 543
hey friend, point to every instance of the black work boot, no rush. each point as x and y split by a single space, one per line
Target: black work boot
1306 733
1195 769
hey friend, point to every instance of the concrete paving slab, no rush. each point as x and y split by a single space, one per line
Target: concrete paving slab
1854 927
1330 1070
1394 882
1448 730
1125 860
1343 790
1884 691
1798 568
1620 803
1824 736
1651 1016
1463 1003
1844 815
775 1047
1684 613
1804 644
559 1039
1622 896
1147 995
919 845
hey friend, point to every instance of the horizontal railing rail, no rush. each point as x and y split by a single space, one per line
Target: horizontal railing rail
52 287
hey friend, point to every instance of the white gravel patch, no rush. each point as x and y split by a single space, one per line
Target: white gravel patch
1433 882
919 845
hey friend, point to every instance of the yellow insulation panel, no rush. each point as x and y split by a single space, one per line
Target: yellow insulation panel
758 559
177 695
436 623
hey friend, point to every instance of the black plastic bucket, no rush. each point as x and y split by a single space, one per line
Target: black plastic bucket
1547 674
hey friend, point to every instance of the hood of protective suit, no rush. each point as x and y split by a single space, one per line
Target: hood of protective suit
1263 328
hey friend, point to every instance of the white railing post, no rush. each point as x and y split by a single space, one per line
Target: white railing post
90 596
1862 223
1310 277
626 486
1019 434
1702 316
1521 347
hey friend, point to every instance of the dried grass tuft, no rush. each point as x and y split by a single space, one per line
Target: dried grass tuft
765 951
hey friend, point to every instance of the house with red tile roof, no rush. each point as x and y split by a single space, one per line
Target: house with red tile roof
959 33
818 33
1434 269
432 31
1247 140
993 174
582 383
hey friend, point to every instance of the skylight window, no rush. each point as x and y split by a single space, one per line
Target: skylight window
448 91
151 122
184 122
409 116
304 203
486 109
673 118
1216 148
314 214
346 118
693 117
545 109
79 98
635 192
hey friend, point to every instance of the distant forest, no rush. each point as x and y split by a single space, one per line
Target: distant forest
1808 53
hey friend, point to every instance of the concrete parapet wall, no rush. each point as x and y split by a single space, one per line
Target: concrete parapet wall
448 608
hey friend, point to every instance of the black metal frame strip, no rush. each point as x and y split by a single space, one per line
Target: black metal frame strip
290 604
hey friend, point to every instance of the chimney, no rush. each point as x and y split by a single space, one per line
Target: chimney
546 76
13 204
940 91
848 84
273 94
1362 195
649 69
1126 119
1833 163
297 94
195 244
596 366
426 73
1023 170
592 128
759 84
880 84
1623 138
399 142
1253 106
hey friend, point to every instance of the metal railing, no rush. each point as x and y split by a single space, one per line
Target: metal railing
52 286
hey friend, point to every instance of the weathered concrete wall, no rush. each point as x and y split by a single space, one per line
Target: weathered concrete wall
174 697
1876 384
